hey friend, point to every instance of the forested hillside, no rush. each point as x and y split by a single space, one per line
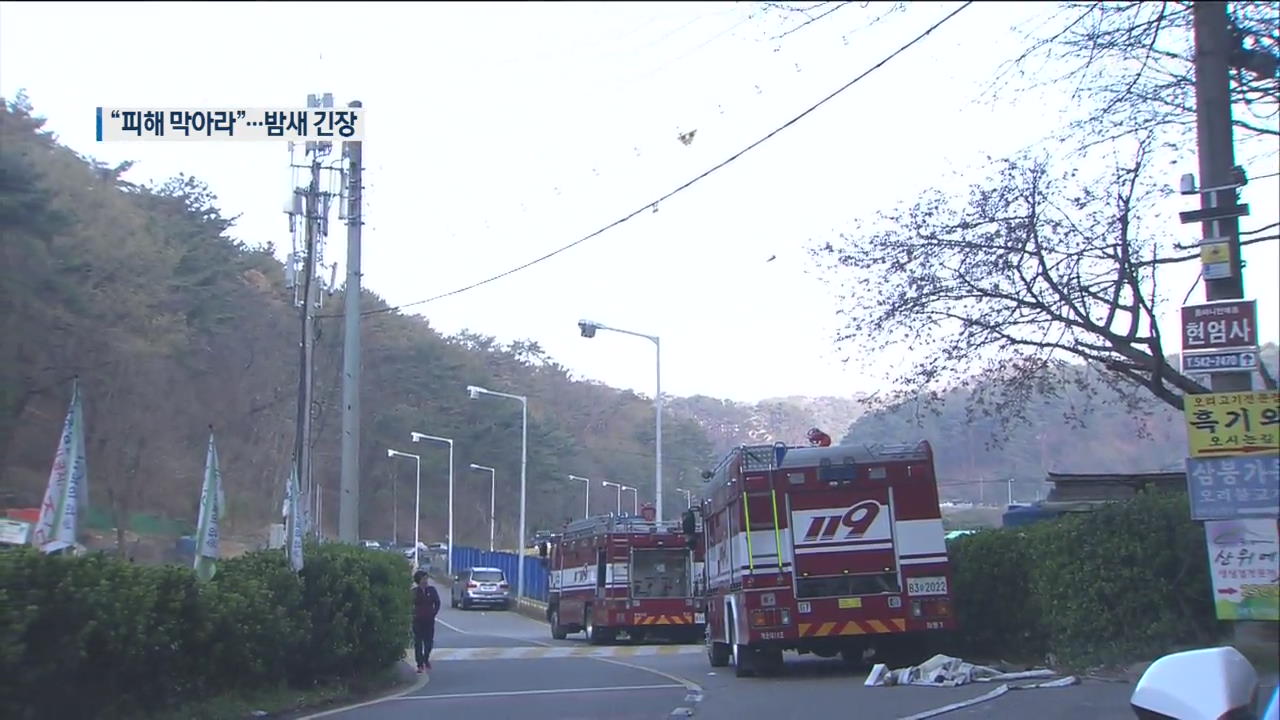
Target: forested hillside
173 324
728 423
1065 431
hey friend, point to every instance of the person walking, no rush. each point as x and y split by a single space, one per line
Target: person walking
426 603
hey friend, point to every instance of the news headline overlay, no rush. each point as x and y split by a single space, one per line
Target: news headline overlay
205 124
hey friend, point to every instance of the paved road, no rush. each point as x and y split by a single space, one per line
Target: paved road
503 665
812 687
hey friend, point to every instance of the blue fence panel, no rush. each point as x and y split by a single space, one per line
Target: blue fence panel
535 574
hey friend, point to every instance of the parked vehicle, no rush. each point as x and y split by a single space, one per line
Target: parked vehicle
609 575
829 550
480 586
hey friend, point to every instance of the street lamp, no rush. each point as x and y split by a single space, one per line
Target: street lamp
493 488
688 497
588 329
416 437
417 499
588 503
619 487
474 392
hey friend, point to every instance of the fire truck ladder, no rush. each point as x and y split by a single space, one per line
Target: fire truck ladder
603 524
754 458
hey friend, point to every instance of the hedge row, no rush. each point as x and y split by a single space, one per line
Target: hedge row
98 637
1128 581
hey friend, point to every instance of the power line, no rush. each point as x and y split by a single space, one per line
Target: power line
654 204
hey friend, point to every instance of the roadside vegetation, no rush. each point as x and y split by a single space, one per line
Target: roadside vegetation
1126 583
100 637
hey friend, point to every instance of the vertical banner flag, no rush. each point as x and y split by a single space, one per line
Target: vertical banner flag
68 483
295 523
208 525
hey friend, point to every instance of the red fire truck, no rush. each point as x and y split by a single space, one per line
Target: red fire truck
618 574
827 550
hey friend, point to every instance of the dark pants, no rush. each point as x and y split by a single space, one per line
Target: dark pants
424 636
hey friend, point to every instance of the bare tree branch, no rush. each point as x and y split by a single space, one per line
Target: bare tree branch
1031 269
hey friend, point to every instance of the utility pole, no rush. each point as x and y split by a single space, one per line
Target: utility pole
1215 46
1216 148
313 205
349 500
395 512
302 443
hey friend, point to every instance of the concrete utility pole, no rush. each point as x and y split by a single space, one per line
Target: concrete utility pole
1216 148
302 443
349 501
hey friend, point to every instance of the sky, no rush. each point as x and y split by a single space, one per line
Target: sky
501 131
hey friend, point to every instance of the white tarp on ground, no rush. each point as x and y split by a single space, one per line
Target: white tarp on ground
947 671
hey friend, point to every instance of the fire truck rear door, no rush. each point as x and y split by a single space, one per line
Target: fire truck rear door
843 541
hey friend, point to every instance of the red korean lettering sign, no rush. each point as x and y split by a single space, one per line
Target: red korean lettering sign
1227 324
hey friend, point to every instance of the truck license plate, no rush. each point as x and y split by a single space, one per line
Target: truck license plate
927 586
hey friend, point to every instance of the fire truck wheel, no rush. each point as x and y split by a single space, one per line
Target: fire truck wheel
595 635
717 653
768 661
744 661
557 630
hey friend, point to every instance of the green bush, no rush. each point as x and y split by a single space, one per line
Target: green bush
1128 581
98 637
351 593
996 611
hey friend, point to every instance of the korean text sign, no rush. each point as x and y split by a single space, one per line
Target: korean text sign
1232 423
248 124
1244 564
1217 325
1229 488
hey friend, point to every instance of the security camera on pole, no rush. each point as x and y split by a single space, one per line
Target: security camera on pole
417 436
474 392
587 504
417 501
588 329
493 494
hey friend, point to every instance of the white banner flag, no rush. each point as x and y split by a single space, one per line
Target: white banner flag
295 523
59 512
211 503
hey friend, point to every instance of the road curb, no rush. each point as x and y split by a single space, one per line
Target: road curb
532 609
422 682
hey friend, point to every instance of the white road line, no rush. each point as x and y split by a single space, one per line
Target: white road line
556 691
692 686
452 627
677 681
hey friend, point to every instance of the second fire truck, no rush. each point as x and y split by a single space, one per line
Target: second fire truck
830 550
614 575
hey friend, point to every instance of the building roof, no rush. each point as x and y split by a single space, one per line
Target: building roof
1084 488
